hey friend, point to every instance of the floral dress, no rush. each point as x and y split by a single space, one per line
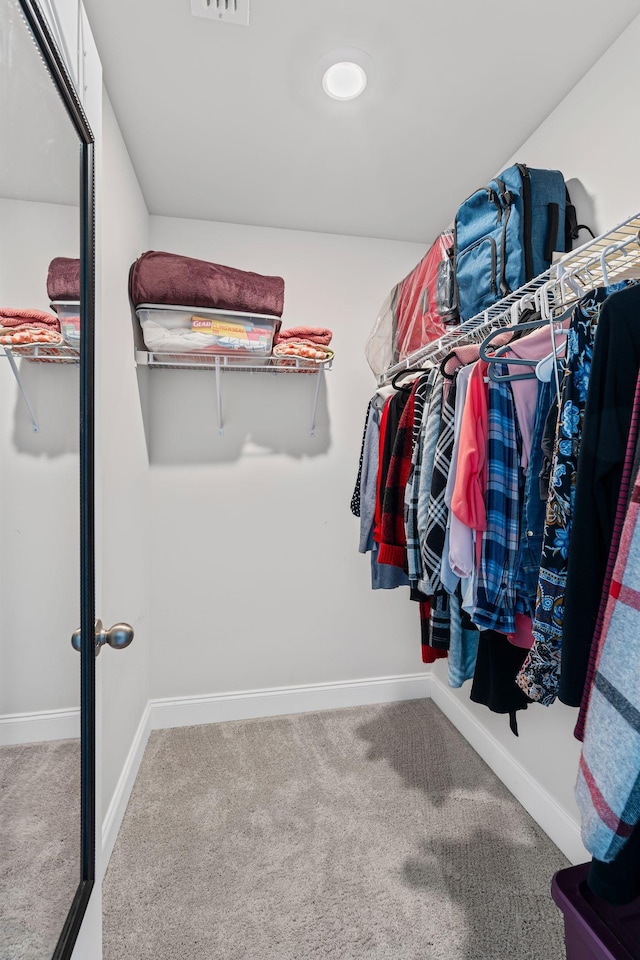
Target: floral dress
540 673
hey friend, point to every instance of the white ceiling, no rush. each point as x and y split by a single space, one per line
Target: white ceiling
230 123
39 148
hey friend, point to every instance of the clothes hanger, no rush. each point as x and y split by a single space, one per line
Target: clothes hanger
544 367
443 365
486 343
405 373
547 312
532 373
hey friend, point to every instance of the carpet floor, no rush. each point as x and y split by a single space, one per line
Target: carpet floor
372 832
39 845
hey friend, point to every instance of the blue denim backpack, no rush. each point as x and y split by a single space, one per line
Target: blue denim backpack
506 234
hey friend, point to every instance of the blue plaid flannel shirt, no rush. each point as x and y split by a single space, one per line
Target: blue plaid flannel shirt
496 597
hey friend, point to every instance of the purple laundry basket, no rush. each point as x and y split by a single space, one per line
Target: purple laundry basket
594 930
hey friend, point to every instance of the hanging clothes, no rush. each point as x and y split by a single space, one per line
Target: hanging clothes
540 674
496 597
392 537
608 787
627 483
382 577
614 372
533 346
428 440
355 499
456 566
493 685
527 569
437 509
414 554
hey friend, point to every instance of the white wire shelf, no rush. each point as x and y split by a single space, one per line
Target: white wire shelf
199 361
221 363
43 352
611 257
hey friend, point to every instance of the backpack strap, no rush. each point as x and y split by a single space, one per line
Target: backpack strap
507 199
571 226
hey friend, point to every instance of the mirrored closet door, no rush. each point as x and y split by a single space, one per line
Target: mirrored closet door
46 500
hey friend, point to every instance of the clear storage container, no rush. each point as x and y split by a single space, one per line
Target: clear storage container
204 331
68 312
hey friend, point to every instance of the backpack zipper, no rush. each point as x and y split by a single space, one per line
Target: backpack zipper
494 265
526 199
493 198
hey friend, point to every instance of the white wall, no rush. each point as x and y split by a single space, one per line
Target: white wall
39 480
257 581
123 592
594 140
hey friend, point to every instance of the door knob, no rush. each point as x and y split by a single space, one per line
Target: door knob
118 636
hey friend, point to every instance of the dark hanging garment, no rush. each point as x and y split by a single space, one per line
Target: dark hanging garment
395 408
618 882
614 372
547 445
494 681
355 499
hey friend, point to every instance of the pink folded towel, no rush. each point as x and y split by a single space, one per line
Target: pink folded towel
158 277
17 317
63 279
320 335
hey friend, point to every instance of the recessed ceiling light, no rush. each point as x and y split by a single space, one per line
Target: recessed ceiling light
344 81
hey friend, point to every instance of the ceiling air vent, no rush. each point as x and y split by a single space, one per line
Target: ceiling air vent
226 11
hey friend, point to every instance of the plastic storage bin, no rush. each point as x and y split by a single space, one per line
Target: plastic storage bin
68 312
593 929
198 330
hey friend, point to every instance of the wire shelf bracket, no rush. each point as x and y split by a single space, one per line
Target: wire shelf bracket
44 353
16 372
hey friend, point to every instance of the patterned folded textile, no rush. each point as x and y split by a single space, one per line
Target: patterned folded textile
319 335
63 279
169 278
28 333
304 349
18 317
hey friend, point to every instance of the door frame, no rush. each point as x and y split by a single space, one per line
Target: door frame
57 68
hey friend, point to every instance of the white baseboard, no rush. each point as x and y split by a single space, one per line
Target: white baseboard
19 728
249 704
559 825
117 808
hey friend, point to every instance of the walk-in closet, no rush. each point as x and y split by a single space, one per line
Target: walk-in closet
319 480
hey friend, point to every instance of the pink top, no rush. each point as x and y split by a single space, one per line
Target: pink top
467 502
535 346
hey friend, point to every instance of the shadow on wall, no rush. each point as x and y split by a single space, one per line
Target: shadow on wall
479 852
585 209
262 415
53 391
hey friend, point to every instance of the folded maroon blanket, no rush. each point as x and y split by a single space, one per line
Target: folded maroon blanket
320 335
63 279
158 277
18 317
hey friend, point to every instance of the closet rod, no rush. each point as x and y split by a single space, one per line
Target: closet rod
616 251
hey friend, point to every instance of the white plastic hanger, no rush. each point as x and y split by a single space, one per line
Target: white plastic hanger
551 361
